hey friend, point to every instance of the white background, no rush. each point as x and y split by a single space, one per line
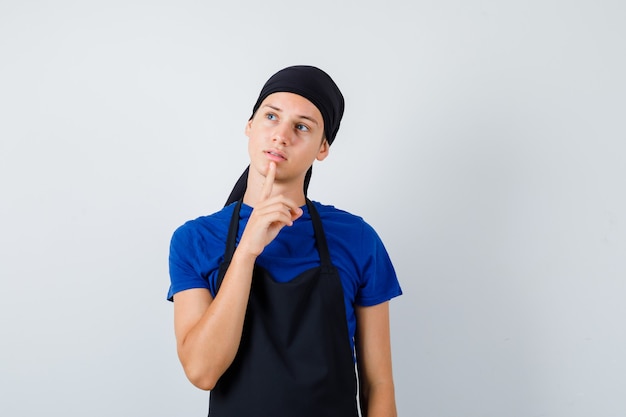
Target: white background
484 140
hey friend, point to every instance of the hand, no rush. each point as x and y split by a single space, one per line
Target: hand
268 217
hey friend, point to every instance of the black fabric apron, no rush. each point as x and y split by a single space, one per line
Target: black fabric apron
294 359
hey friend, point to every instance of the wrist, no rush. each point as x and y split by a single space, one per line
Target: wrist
244 255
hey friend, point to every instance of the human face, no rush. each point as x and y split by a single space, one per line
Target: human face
289 130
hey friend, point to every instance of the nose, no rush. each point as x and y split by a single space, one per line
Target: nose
282 134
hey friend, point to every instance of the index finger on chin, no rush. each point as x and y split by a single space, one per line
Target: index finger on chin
269 180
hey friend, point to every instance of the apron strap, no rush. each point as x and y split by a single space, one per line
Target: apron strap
320 237
232 233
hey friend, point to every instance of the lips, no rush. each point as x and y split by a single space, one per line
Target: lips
276 155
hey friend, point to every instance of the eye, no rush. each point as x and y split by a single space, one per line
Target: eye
302 128
271 116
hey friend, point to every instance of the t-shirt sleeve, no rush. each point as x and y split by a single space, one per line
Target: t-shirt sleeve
185 271
379 282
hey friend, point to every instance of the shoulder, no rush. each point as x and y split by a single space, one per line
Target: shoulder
196 251
332 213
342 221
348 232
207 222
199 230
368 275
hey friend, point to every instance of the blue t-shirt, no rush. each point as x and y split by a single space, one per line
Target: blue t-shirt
367 274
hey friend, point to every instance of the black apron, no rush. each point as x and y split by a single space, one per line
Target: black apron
294 359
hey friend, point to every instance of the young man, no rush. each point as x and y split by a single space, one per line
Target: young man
275 296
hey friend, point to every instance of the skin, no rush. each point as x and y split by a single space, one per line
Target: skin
286 135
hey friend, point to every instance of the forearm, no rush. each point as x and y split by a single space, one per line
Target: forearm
378 400
208 348
373 345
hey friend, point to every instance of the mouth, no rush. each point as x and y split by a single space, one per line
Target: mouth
276 155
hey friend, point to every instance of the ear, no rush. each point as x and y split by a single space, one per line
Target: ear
323 152
248 127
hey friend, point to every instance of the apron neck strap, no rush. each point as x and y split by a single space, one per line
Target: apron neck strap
320 237
233 228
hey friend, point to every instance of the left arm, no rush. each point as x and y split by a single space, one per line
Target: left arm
373 349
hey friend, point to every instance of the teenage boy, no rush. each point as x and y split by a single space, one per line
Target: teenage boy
276 296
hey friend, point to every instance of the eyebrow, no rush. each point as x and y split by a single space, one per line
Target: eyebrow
278 109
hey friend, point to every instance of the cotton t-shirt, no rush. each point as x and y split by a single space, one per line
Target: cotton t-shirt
367 274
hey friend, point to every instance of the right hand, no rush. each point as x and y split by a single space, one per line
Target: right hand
268 217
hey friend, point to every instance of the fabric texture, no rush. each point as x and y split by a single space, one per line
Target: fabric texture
367 274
